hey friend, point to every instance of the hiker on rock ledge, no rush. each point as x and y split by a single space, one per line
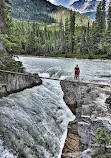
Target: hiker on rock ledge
77 72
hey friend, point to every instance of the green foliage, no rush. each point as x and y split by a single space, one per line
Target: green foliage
109 17
96 152
9 64
102 136
1 85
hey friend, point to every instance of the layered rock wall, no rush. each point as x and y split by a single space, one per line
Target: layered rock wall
15 82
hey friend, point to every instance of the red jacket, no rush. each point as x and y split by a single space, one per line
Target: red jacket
77 70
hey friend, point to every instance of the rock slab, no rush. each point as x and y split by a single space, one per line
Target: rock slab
15 82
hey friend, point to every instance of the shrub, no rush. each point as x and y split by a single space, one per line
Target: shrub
102 136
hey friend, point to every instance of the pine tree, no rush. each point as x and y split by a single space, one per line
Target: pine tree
83 41
103 15
109 17
61 34
66 37
100 17
55 42
95 37
4 18
99 27
108 32
72 29
46 40
88 40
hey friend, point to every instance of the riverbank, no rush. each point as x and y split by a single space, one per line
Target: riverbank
70 56
88 103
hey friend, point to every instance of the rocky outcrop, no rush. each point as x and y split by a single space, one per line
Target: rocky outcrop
15 82
87 7
90 102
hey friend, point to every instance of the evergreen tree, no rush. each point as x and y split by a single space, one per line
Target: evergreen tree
109 17
46 40
61 35
107 42
72 29
4 18
103 15
55 42
66 37
88 40
100 17
99 27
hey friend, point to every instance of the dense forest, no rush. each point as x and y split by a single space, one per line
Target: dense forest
67 35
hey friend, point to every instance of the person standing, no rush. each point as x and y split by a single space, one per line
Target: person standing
77 72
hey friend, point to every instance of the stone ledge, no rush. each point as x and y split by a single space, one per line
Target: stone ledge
16 82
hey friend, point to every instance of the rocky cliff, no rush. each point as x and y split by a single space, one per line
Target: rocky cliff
15 82
87 7
91 103
83 6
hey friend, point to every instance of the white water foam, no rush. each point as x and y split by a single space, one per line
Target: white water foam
36 120
5 153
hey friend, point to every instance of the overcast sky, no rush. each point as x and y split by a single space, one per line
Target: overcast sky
65 3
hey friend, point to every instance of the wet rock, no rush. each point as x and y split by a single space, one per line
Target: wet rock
70 95
86 153
108 101
87 129
88 102
87 109
15 82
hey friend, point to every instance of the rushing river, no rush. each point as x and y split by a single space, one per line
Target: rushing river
91 70
33 123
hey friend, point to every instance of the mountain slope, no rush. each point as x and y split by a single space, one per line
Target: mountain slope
87 7
83 6
32 9
42 11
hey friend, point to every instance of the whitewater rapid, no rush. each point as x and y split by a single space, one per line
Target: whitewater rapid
33 123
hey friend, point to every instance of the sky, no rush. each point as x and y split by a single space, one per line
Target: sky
65 3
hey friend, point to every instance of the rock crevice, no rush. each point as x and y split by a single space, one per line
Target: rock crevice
90 103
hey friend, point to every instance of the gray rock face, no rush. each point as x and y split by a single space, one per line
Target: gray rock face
85 5
108 100
16 82
70 95
90 103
